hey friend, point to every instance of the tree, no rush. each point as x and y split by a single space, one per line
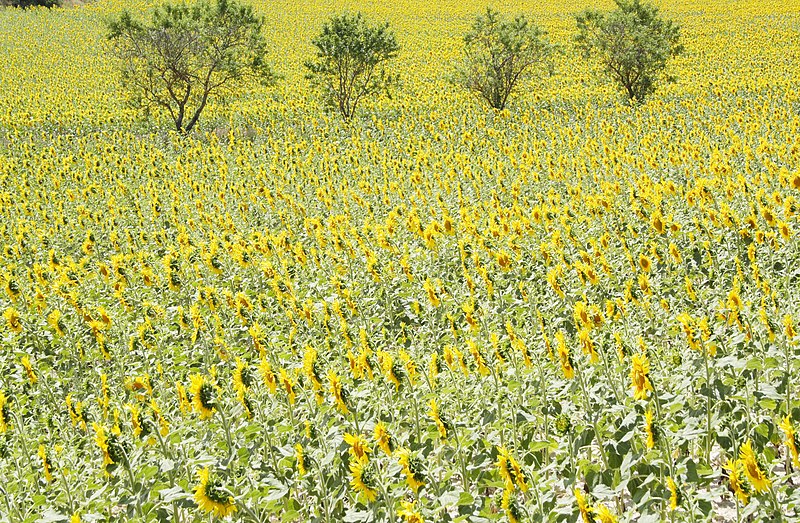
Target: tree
351 61
187 54
633 43
500 54
30 3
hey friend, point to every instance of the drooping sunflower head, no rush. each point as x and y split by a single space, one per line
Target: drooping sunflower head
211 495
243 378
413 468
364 481
753 469
408 511
359 446
204 397
383 438
733 469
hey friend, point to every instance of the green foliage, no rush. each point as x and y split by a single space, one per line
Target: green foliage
187 54
30 3
499 55
351 61
633 43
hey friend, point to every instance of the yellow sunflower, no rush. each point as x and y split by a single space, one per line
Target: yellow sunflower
203 396
752 469
212 497
363 480
640 367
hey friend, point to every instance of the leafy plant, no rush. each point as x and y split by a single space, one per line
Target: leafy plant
187 54
633 44
352 61
499 55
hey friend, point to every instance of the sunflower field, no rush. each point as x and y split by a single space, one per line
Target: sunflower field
573 309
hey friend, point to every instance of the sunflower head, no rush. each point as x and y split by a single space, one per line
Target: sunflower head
211 495
204 397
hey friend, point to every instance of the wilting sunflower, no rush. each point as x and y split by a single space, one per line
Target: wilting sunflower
363 479
203 396
211 496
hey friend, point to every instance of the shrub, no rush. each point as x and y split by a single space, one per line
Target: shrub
187 54
633 44
499 55
352 62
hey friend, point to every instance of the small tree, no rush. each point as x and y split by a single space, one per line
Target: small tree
500 54
633 44
30 3
188 54
351 61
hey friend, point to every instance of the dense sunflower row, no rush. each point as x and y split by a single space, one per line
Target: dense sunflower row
569 310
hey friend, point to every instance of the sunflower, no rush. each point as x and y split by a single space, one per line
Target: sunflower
311 368
791 439
242 377
412 469
113 449
383 438
47 466
735 481
441 425
13 319
359 446
26 364
640 367
212 497
752 469
650 429
604 514
338 392
644 263
288 385
788 325
564 356
363 479
510 470
203 396
55 320
300 455
408 511
674 495
511 506
583 506
265 369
